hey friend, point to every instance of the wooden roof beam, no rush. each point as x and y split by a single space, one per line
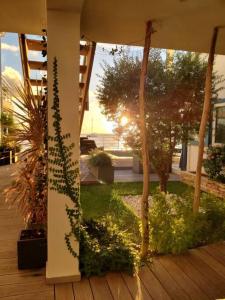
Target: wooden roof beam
37 45
84 49
39 82
37 65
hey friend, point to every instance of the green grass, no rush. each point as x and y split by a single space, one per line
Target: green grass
135 188
96 200
105 200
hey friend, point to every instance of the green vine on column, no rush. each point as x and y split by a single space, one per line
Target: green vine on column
64 171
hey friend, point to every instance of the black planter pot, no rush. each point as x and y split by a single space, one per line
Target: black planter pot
103 173
5 157
32 249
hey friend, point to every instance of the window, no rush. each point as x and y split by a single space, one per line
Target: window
220 125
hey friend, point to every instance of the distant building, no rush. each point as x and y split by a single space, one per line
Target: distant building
6 106
216 131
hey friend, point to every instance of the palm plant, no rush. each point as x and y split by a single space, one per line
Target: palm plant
29 191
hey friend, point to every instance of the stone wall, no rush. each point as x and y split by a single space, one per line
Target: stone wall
207 185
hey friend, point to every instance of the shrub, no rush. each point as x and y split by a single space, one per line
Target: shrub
99 159
124 217
215 163
174 228
169 231
104 248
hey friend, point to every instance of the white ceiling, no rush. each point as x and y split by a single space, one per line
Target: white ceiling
179 24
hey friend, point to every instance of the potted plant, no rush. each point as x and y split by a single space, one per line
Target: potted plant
29 191
32 242
8 155
138 166
4 155
100 164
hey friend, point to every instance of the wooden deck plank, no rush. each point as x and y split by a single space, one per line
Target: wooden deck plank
220 247
82 290
202 282
100 288
12 234
8 266
172 288
24 288
8 249
201 273
217 254
208 273
46 295
152 284
118 287
23 276
211 261
8 213
64 291
190 288
136 287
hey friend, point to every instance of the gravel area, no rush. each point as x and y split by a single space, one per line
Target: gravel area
134 201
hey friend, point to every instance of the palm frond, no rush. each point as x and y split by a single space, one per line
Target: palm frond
30 113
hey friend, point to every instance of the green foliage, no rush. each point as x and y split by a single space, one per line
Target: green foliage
64 172
174 228
6 120
105 248
100 158
174 98
8 128
107 202
214 164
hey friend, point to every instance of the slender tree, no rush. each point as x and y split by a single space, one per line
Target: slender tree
144 144
173 102
204 119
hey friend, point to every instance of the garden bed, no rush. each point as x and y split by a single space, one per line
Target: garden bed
173 226
99 201
134 201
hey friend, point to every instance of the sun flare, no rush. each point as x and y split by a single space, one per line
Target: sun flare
124 120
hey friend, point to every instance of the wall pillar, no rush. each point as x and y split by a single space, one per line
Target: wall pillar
63 43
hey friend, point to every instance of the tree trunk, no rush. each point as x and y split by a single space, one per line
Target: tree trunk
204 120
163 183
144 145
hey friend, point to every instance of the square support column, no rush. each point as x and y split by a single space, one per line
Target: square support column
63 43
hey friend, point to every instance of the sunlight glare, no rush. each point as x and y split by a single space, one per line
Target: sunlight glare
124 121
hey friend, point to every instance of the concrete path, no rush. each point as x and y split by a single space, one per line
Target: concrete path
129 176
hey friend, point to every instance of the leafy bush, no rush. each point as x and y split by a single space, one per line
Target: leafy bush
99 159
215 163
174 228
104 248
107 202
124 217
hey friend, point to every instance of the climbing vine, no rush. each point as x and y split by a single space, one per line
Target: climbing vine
64 171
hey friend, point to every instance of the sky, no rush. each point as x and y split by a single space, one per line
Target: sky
94 120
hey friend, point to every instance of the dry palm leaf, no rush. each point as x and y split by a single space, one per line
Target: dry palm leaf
29 191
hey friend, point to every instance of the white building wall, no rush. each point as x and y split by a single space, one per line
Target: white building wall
219 67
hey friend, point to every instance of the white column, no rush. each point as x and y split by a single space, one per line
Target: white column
63 43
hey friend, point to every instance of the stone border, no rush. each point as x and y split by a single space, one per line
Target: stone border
207 185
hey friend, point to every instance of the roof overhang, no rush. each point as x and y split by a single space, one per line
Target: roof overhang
179 24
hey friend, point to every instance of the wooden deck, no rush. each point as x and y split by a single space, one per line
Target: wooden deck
199 274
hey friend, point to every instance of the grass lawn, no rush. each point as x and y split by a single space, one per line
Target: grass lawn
105 200
98 200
